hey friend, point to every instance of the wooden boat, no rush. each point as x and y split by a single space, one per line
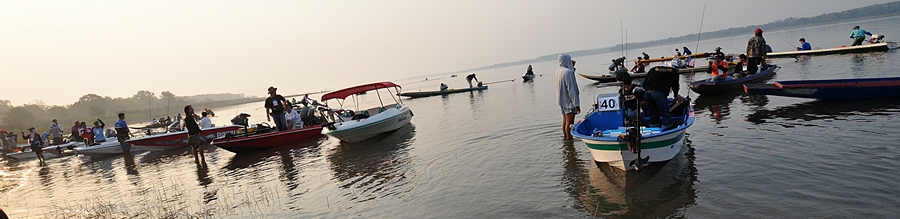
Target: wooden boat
353 127
435 93
706 87
600 130
177 139
253 142
612 77
695 55
833 89
876 47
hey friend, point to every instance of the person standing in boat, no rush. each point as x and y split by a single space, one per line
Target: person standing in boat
718 52
858 35
804 45
687 51
471 77
567 93
756 51
98 131
194 138
658 83
34 139
55 133
275 109
122 133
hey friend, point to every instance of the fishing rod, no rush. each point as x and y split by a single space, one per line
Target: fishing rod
698 44
498 82
788 42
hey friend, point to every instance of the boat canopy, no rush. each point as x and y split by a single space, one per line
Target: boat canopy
344 93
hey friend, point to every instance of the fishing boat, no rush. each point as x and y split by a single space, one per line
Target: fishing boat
263 139
354 126
527 77
706 87
612 77
631 147
110 147
177 139
875 47
831 89
667 58
51 151
435 93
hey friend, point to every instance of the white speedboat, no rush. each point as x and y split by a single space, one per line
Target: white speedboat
49 151
110 147
354 126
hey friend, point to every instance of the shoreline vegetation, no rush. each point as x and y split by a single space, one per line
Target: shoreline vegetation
90 107
890 9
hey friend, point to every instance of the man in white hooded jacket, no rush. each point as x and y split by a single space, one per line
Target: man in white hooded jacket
568 93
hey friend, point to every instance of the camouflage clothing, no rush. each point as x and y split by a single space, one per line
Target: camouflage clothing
756 47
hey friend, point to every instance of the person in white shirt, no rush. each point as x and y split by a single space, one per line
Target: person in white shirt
205 123
291 117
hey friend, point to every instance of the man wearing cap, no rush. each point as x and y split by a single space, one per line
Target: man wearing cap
275 109
756 51
719 69
718 52
55 133
858 35
36 143
122 133
804 45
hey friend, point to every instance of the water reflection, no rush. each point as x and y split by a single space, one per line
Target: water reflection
375 169
130 167
719 106
46 179
203 174
659 191
828 109
244 160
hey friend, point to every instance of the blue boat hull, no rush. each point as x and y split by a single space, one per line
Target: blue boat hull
837 89
705 87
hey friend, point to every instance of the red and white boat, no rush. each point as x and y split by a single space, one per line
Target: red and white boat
177 139
252 142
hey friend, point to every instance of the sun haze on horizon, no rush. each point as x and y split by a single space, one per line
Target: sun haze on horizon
55 52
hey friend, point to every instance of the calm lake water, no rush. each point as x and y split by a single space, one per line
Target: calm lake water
499 153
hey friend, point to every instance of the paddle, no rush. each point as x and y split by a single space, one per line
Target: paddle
498 82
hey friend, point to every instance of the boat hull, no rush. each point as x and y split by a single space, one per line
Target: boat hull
178 139
837 89
656 146
359 130
695 55
705 87
877 47
435 93
527 77
259 142
108 148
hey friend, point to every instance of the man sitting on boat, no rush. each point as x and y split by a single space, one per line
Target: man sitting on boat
739 68
719 69
659 82
627 98
638 66
443 87
241 119
529 71
804 45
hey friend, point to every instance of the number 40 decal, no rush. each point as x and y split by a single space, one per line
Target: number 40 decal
608 103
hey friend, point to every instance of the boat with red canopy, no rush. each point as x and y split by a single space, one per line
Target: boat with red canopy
357 125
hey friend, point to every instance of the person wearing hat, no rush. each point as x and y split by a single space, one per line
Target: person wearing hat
567 93
36 143
804 45
122 133
98 131
718 52
55 133
241 119
756 51
471 77
719 69
858 35
625 93
275 108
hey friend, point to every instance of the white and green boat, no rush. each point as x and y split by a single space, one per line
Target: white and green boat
610 141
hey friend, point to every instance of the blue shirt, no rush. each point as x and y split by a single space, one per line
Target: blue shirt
805 46
121 124
859 33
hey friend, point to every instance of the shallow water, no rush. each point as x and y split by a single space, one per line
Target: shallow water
498 153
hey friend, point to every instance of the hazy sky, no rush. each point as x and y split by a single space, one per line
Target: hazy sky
57 51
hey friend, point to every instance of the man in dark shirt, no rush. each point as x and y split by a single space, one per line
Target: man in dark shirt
194 138
471 77
629 102
660 80
275 109
756 51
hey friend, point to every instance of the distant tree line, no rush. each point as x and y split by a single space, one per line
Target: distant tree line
868 12
139 108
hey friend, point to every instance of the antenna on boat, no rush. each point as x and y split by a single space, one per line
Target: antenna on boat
697 47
